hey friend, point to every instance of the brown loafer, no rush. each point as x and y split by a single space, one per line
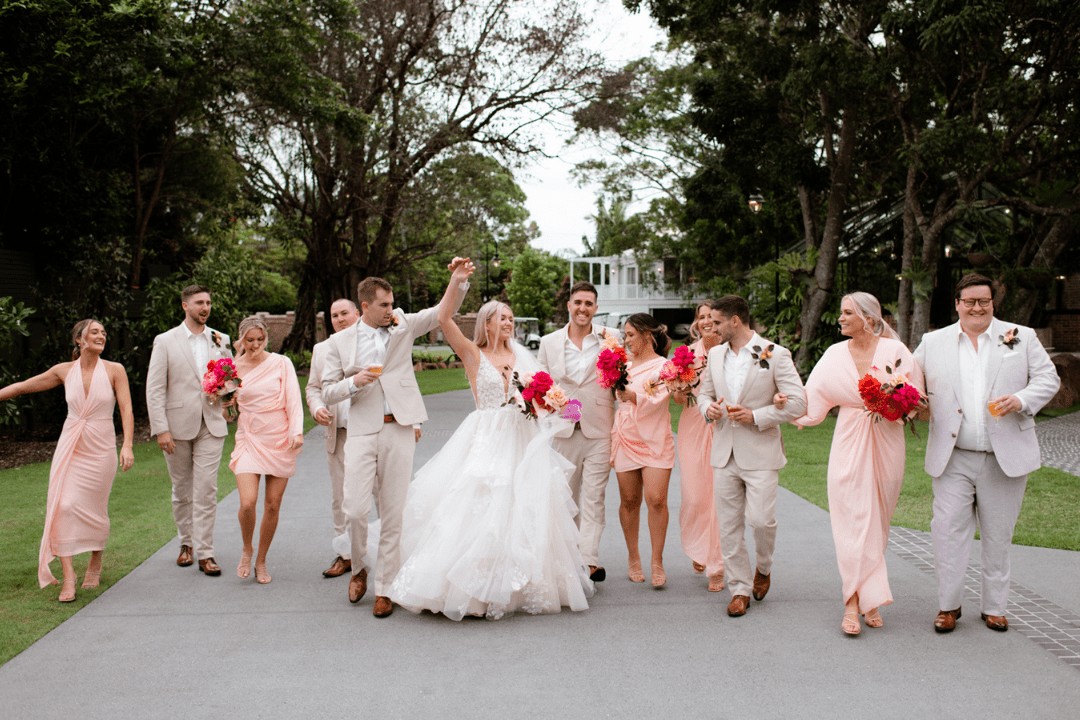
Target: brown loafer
738 605
996 622
209 567
761 585
339 567
358 586
186 556
597 573
383 607
946 620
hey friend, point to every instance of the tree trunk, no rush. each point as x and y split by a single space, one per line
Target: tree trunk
302 335
905 301
1023 299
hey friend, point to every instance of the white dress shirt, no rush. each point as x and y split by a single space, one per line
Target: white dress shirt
371 350
736 366
200 347
581 362
973 392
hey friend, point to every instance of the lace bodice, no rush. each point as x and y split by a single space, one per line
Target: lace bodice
489 389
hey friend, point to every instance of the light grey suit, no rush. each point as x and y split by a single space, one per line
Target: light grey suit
177 405
983 487
588 443
335 435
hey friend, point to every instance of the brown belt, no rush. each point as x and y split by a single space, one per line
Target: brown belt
387 418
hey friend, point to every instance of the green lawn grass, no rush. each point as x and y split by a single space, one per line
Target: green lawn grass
140 515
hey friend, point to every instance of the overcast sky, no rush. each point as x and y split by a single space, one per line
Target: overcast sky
555 201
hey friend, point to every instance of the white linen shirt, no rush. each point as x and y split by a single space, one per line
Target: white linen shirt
200 348
579 363
371 350
973 392
736 366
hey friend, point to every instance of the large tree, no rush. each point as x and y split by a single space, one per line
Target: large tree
415 78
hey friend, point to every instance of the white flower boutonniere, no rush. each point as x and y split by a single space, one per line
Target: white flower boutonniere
1009 339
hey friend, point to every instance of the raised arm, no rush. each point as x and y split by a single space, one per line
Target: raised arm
39 383
460 269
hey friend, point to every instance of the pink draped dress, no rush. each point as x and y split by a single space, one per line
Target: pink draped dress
641 436
271 413
81 477
697 513
866 465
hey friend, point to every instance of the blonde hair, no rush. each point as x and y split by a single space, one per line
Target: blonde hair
483 317
77 332
867 308
246 324
695 330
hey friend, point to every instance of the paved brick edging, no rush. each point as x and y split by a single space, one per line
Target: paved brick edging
1059 441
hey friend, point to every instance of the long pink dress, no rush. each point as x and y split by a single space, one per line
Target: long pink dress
271 413
81 477
697 513
866 465
641 436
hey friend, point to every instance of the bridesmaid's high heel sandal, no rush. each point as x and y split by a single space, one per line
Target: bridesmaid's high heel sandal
261 576
851 626
91 580
636 575
243 570
659 577
67 591
716 582
873 619
699 569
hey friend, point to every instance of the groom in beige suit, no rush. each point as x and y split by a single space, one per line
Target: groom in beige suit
980 461
190 431
569 356
343 314
744 373
370 366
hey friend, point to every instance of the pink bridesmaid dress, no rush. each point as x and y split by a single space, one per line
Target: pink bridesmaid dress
697 513
866 466
641 436
271 413
81 477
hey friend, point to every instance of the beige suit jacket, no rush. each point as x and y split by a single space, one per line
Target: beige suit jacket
597 404
174 396
314 395
397 384
759 446
1025 370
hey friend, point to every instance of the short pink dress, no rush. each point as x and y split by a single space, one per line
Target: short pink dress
698 525
271 413
82 472
641 436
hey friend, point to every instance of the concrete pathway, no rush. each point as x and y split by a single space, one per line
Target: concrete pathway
167 642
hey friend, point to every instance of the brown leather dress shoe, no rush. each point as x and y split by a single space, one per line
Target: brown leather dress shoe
597 573
946 620
996 622
761 585
339 567
738 605
186 557
383 607
209 567
358 586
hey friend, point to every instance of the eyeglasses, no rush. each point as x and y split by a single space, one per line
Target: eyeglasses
983 302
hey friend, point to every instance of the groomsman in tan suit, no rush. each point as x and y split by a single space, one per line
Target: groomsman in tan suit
569 356
980 458
190 431
343 314
743 375
370 366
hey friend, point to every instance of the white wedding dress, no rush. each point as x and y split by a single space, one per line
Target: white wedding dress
488 525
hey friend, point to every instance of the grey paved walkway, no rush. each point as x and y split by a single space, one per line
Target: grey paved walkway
166 642
1059 441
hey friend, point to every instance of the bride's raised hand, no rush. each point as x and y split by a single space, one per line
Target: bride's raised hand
461 268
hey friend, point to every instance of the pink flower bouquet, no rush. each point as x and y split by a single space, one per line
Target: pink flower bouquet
894 400
221 383
678 374
540 396
611 370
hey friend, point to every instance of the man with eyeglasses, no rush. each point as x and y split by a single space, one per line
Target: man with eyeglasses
987 379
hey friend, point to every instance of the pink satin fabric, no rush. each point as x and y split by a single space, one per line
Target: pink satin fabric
641 435
271 412
81 477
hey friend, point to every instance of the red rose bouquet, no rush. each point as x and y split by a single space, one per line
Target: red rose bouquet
678 374
894 399
221 383
540 397
611 370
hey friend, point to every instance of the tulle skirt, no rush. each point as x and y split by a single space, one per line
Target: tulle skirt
488 525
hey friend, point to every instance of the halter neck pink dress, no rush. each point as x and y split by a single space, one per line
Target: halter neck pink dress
81 477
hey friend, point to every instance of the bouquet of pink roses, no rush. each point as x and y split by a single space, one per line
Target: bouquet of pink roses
892 400
678 374
540 396
611 364
221 383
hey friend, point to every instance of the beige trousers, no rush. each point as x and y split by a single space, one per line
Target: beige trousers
745 497
379 464
592 468
193 468
335 461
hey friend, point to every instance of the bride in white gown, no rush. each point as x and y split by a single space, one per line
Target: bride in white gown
488 525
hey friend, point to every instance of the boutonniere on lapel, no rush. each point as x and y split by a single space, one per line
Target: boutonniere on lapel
761 357
1009 339
215 338
395 324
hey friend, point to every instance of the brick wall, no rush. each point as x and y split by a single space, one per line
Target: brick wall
1066 327
278 328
